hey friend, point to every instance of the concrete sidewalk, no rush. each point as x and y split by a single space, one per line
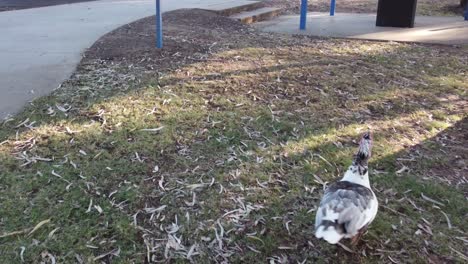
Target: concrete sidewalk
434 30
40 47
8 5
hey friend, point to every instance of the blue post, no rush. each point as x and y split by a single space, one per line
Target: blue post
466 12
159 35
302 25
332 7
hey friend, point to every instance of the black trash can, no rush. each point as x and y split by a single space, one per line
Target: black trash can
396 13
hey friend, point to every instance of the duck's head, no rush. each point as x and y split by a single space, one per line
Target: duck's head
365 149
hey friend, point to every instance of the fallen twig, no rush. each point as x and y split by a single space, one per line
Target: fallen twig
449 224
462 256
39 226
14 233
345 248
394 211
152 129
431 200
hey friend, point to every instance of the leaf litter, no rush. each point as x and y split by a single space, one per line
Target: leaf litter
203 209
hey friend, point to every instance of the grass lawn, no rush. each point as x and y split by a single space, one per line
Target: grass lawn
424 7
217 148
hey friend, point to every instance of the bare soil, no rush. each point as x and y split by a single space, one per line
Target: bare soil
186 35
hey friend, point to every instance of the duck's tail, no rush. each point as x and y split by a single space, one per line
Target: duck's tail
331 231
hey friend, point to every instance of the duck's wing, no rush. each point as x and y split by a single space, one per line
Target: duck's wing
345 208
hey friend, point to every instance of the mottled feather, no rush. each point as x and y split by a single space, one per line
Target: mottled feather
352 202
348 206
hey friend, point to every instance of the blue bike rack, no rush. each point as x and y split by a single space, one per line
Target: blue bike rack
159 34
303 20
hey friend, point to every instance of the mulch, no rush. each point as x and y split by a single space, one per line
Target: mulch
188 35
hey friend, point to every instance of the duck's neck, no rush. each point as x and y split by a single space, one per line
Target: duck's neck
353 175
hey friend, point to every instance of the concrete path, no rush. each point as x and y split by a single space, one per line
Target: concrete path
435 30
40 47
8 5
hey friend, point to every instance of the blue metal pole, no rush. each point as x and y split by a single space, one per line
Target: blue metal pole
302 25
466 12
159 35
332 7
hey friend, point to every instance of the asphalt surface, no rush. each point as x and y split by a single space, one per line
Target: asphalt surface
23 4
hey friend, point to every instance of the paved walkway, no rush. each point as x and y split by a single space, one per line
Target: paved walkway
24 4
435 30
40 47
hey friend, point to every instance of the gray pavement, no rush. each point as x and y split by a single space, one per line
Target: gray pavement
434 30
40 47
24 4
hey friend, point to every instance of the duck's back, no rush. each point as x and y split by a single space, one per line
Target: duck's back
346 208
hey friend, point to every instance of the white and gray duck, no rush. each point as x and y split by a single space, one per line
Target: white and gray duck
349 205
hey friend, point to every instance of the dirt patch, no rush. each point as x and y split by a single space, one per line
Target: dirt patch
186 34
425 7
